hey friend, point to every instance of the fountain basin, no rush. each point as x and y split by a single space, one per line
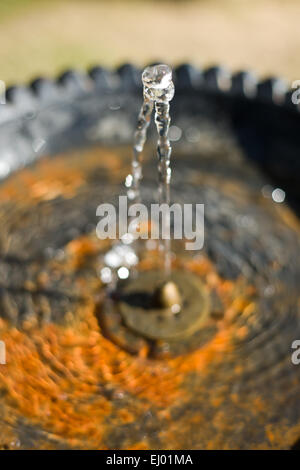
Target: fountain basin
65 148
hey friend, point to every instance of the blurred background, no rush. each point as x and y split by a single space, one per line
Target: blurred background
43 37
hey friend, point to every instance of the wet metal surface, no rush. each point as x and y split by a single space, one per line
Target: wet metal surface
72 380
68 384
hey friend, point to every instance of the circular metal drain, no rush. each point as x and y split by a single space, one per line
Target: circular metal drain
135 320
157 323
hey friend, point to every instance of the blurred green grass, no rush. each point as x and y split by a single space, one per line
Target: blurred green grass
43 37
9 8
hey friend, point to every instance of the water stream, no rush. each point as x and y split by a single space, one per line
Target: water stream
158 92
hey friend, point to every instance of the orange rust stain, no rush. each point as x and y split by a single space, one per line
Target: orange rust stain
55 373
49 379
52 373
216 401
52 177
125 416
139 446
258 404
276 434
242 332
46 184
82 248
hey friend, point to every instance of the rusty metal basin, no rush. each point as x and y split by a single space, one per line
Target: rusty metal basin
67 382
